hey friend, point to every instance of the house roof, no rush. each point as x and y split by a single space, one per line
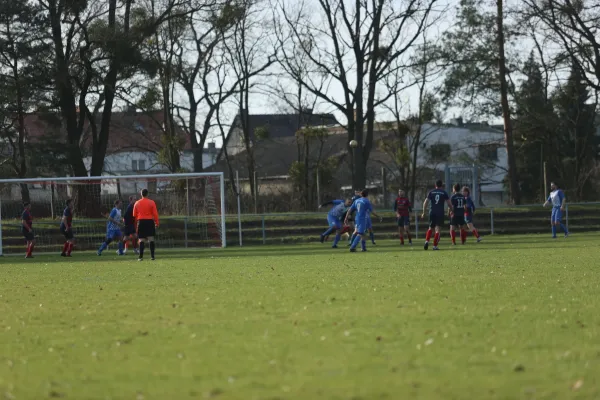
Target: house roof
128 131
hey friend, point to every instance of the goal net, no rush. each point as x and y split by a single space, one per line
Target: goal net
191 208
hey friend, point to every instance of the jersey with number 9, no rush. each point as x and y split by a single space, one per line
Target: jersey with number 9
437 199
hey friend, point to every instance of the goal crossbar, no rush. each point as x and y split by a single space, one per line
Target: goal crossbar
218 216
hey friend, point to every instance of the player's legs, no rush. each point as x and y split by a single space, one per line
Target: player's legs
407 229
432 225
359 237
338 233
472 228
557 222
370 229
108 240
436 238
30 240
453 233
331 223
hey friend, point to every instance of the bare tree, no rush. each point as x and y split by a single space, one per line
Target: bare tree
574 26
250 52
354 45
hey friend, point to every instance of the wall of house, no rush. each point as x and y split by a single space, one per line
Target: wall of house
465 149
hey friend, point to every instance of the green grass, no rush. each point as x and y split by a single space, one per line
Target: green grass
515 317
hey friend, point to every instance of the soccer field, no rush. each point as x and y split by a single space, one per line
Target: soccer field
514 317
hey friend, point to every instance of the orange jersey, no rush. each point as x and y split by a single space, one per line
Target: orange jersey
145 209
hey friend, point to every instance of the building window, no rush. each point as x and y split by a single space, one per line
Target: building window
439 152
488 152
138 165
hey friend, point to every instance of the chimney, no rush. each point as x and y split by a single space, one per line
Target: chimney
212 147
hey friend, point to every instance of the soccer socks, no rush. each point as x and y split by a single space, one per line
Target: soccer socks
66 247
363 245
372 236
463 236
355 240
428 235
554 231
336 240
453 236
104 245
351 240
475 233
120 247
328 231
401 239
29 250
152 247
563 227
436 239
70 249
142 246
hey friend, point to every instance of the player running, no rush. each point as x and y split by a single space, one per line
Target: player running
66 228
437 197
469 211
27 229
559 201
351 219
402 208
129 227
457 216
146 216
334 219
363 208
113 229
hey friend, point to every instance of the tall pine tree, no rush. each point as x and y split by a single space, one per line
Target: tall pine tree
575 137
534 139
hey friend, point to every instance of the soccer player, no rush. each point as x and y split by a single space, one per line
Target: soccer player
334 219
363 208
436 197
559 201
402 208
350 219
27 229
146 215
66 228
113 229
129 226
469 211
457 216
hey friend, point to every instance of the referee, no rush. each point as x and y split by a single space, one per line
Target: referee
144 212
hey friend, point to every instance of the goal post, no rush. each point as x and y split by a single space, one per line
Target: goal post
191 207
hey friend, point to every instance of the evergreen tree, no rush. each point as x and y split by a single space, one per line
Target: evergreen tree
535 122
575 136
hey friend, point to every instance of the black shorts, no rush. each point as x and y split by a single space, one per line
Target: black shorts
128 230
457 220
436 220
29 236
146 228
68 234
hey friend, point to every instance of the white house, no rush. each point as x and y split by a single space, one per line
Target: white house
467 144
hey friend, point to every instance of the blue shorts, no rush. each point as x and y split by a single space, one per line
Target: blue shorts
334 222
113 234
404 221
468 219
360 228
556 215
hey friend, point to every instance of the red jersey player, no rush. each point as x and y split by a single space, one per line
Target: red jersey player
402 208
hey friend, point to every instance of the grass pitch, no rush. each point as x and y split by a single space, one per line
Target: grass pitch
510 318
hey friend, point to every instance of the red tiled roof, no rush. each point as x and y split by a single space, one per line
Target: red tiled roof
128 131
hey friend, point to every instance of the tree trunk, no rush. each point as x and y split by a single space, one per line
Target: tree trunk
515 192
413 168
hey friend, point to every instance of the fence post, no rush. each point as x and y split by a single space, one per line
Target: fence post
492 221
567 216
239 204
187 211
384 187
416 225
475 186
264 232
318 187
255 193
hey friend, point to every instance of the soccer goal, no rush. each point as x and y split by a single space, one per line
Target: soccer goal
191 208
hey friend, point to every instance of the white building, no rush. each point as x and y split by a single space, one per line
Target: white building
465 145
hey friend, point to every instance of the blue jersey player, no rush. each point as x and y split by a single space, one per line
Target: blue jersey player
113 229
363 209
437 198
334 219
558 200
